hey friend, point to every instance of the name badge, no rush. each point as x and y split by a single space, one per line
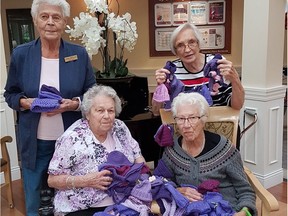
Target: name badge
71 58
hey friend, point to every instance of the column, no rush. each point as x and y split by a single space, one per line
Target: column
262 63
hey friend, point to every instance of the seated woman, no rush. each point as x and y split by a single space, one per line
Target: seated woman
84 146
198 155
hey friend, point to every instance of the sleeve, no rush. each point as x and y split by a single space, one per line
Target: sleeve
13 91
64 157
245 194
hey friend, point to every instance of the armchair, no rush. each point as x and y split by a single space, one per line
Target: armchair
224 120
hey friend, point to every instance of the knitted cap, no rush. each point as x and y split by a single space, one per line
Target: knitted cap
161 93
164 135
142 191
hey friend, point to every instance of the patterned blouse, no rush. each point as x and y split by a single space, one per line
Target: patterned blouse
78 152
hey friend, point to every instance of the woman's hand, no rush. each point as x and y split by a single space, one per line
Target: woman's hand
160 75
25 103
99 180
190 193
66 105
228 71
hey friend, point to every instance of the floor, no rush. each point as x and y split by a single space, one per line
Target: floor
279 191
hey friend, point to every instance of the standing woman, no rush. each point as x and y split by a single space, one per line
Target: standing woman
51 61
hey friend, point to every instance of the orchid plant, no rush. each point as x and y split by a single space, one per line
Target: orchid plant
93 29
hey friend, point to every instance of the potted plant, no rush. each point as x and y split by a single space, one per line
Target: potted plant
99 27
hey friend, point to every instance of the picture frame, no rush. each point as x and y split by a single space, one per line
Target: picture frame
198 12
163 15
180 13
216 12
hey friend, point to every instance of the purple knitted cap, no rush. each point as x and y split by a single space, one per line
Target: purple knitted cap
142 191
161 93
44 105
164 135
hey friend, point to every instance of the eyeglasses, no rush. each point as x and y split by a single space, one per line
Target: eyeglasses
182 46
190 120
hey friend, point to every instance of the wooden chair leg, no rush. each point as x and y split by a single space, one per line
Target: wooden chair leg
8 181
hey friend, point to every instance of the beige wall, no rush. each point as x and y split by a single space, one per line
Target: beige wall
139 58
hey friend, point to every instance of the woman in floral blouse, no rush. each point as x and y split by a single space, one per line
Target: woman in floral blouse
73 170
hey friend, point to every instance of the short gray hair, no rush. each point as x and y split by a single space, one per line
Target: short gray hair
63 4
180 28
96 90
192 98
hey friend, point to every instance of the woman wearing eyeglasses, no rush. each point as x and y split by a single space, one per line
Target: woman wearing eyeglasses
198 155
185 43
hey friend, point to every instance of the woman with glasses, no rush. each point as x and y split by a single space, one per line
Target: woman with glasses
198 155
185 43
80 188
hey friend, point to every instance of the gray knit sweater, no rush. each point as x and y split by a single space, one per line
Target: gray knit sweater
222 163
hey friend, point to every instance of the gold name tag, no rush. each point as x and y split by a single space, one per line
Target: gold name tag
71 58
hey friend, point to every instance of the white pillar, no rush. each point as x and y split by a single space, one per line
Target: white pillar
262 63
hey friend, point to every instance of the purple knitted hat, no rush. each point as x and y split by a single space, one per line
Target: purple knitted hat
161 93
164 135
142 191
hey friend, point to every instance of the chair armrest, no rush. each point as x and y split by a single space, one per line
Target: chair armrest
269 202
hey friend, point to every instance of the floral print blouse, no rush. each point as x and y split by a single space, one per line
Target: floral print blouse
77 152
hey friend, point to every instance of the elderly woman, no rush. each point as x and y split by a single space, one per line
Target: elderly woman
63 66
185 43
73 170
198 155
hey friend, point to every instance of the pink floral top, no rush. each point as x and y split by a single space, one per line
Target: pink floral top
77 152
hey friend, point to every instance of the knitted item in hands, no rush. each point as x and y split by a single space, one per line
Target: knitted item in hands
49 99
213 73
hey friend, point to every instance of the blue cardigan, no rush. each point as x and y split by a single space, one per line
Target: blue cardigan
75 76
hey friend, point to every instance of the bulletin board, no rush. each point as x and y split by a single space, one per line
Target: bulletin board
212 17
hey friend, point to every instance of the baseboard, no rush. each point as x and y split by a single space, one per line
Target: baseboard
271 179
15 174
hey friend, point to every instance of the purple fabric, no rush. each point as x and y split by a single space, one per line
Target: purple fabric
49 99
162 170
181 201
208 186
161 93
44 105
124 174
212 204
213 73
142 191
164 135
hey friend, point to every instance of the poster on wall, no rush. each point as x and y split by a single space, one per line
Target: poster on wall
162 39
163 14
213 37
198 13
180 13
216 12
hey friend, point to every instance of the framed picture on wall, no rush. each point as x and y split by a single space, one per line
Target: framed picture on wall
162 38
163 14
213 37
180 12
198 13
212 17
216 12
